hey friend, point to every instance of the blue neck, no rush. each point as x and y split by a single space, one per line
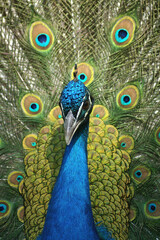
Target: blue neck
69 213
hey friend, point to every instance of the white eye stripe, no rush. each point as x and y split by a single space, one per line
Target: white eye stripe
90 104
79 110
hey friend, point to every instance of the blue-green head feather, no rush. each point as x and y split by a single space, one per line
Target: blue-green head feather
76 104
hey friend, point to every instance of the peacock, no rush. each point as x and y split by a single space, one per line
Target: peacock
80 137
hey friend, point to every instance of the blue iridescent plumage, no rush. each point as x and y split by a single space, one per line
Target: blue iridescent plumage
72 96
69 213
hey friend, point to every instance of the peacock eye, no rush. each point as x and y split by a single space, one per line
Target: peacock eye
20 214
157 135
31 105
14 178
123 144
141 174
85 105
125 100
138 173
43 40
34 107
126 142
121 35
123 31
85 73
33 144
152 207
82 77
128 97
19 178
3 208
41 37
30 142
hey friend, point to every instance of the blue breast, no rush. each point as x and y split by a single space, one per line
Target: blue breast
69 215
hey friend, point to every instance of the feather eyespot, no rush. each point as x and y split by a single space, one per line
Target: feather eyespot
34 107
138 174
157 135
128 97
33 144
30 142
14 178
141 174
41 37
85 73
56 114
19 178
152 209
126 143
132 214
31 105
123 32
121 35
43 40
20 214
100 111
82 77
125 100
123 144
4 209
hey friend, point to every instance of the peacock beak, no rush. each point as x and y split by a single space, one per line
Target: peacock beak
70 126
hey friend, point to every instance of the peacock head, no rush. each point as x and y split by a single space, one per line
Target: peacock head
76 104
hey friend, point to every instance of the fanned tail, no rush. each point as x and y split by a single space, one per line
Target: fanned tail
116 47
